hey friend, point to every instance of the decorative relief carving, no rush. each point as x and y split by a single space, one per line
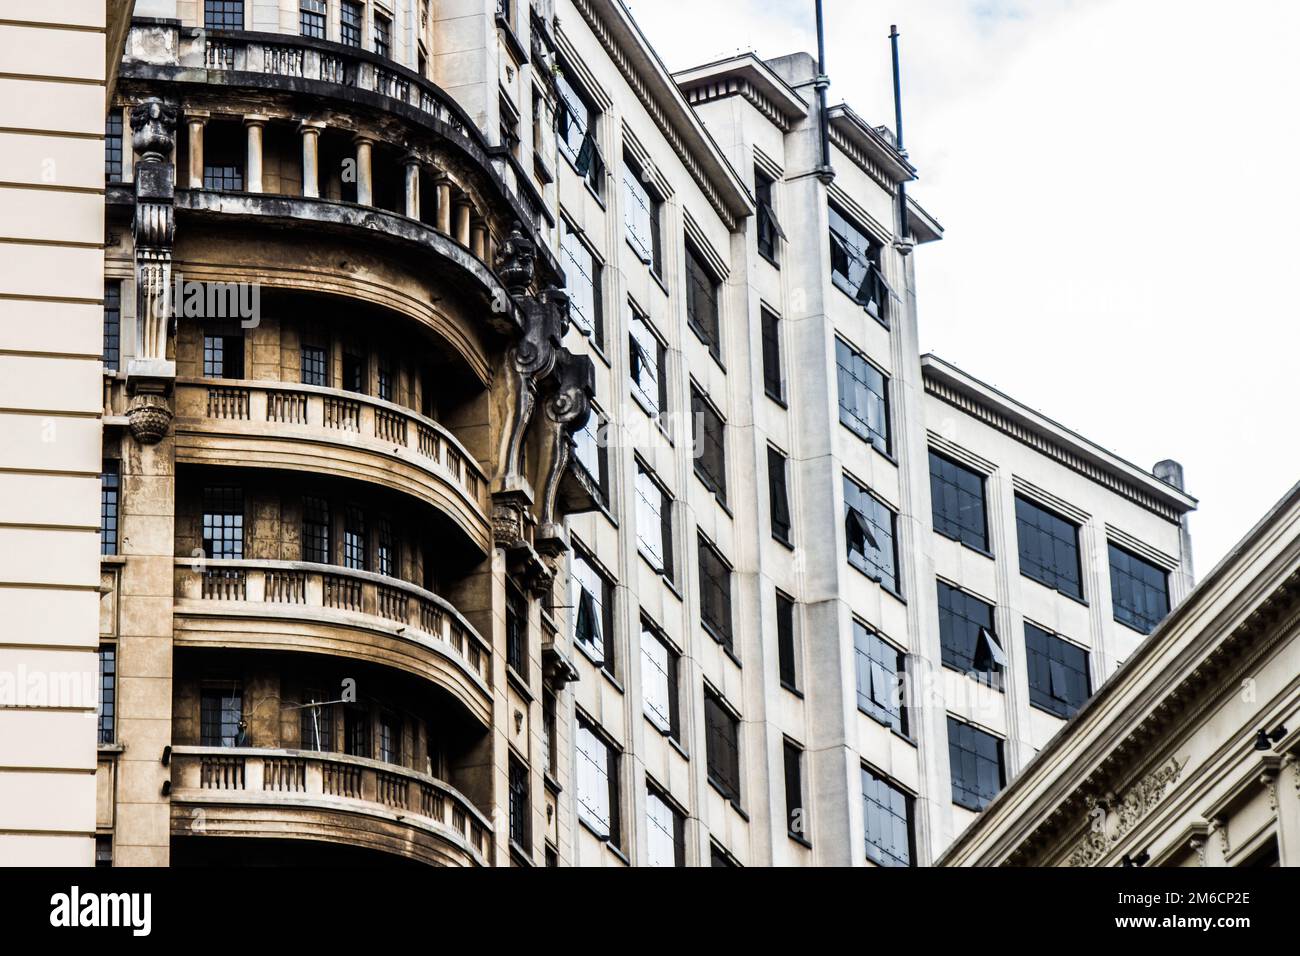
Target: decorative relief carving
545 320
1111 819
154 126
571 386
149 417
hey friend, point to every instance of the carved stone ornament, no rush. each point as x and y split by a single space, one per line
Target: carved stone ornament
509 521
153 125
515 261
545 320
571 386
149 418
1110 820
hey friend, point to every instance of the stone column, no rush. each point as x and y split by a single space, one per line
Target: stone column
311 159
462 220
253 167
412 187
444 205
196 123
1288 810
365 181
478 238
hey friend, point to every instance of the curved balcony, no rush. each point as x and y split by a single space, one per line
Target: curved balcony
284 425
324 797
299 607
291 64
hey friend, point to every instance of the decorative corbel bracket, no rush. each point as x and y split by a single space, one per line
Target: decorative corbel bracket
150 375
570 387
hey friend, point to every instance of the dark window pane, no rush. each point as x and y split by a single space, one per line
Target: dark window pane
722 739
1139 590
864 397
855 266
647 364
223 356
356 551
710 453
1049 548
785 640
966 635
221 718
223 14
223 523
870 529
311 19
772 381
313 366
769 230
957 499
715 594
702 302
316 531
778 495
880 671
975 761
1059 682
517 631
887 814
520 811
107 694
113 147
796 822
110 481
351 16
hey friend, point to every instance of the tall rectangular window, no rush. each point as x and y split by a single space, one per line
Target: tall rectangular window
390 737
855 266
384 378
880 672
583 272
786 642
1049 548
957 501
316 722
112 325
113 147
351 17
223 523
386 556
314 366
221 717
659 668
597 784
769 229
647 355
1058 672
550 734
641 210
224 153
354 372
356 731
796 822
666 831
576 119
592 597
870 527
773 383
702 301
223 355
864 397
517 631
356 549
110 484
975 761
1139 590
311 19
722 746
383 35
887 815
107 709
520 812
590 453
778 495
654 525
316 530
710 451
967 638
715 594
223 14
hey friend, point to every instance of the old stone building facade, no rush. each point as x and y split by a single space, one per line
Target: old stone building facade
516 454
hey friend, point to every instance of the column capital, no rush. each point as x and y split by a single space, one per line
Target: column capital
311 126
256 119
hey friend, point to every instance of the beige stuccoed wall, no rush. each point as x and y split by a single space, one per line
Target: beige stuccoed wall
52 97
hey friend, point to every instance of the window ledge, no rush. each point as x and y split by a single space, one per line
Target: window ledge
609 845
1000 687
726 796
111 750
784 542
778 399
551 783
677 745
518 682
800 839
965 544
1064 594
792 689
522 855
113 560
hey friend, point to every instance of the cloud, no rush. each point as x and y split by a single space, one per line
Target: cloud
1117 183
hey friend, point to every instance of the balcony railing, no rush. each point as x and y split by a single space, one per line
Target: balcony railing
292 409
292 56
218 775
425 618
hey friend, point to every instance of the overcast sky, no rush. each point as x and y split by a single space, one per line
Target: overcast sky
1119 183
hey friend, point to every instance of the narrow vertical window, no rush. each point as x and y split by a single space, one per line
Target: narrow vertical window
107 710
702 301
316 530
223 523
880 673
769 229
666 831
316 722
516 631
795 819
786 646
641 209
888 817
654 522
583 271
311 19
110 481
870 530
710 451
112 325
356 551
864 397
351 16
715 594
778 495
722 750
383 35
390 738
773 384
113 147
647 364
221 717
591 596
520 811
659 669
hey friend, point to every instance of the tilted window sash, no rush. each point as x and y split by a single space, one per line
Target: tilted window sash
657 682
768 214
587 629
593 781
988 652
859 532
638 216
1060 683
